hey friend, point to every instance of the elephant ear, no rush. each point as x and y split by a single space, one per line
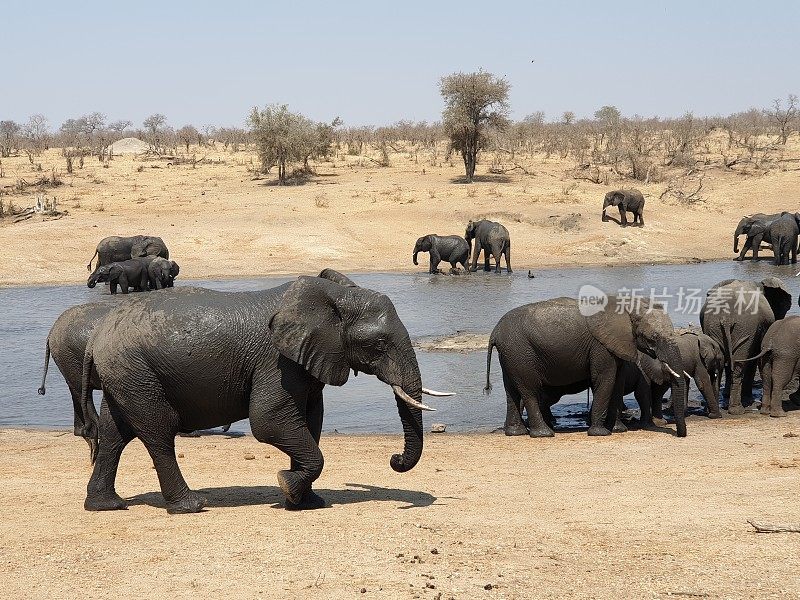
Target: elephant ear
337 277
614 330
651 368
307 328
778 296
709 349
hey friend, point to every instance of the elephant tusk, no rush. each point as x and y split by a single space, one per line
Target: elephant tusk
437 394
409 400
797 274
671 370
685 373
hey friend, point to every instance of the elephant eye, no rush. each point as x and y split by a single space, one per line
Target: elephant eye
381 345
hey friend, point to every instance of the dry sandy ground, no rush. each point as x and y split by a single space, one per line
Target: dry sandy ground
356 216
636 515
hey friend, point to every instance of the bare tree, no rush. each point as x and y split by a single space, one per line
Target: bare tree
9 138
35 136
186 135
156 131
473 102
785 118
568 117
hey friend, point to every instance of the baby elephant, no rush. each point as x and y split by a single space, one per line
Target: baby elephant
131 273
779 363
627 201
161 273
450 248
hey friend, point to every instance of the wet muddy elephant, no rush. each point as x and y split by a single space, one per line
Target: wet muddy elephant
736 315
128 274
66 343
551 348
627 201
493 238
161 273
117 249
449 248
783 232
222 357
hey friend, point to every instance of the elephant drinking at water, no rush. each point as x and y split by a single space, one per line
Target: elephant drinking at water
191 358
550 348
450 248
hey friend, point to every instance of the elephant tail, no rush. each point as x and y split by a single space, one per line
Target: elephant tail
42 389
89 266
90 425
488 388
726 335
764 352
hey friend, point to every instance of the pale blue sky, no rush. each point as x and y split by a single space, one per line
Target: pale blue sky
377 62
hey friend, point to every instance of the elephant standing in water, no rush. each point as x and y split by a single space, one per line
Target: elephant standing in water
161 273
736 315
117 249
783 232
451 248
494 239
191 358
132 273
756 228
551 348
631 201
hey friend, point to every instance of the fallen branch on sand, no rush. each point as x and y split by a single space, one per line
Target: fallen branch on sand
774 528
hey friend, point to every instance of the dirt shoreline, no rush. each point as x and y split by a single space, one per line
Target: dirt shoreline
636 515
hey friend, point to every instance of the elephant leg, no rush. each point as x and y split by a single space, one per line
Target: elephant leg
78 423
278 418
513 424
644 397
507 254
547 411
112 287
745 247
735 401
115 433
766 391
782 375
434 265
486 266
537 426
144 406
476 252
607 387
497 255
314 414
757 245
641 220
748 375
623 219
703 382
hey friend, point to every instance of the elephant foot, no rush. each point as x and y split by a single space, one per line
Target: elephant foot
736 409
764 410
659 422
598 430
509 271
309 501
738 259
542 432
714 415
293 485
519 429
473 269
106 501
619 427
192 503
777 412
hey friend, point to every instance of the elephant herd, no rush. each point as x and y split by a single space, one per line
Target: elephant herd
490 237
779 232
190 358
139 262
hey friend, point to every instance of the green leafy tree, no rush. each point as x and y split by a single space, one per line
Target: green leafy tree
474 102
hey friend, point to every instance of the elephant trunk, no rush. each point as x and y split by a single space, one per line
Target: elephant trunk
739 231
405 379
670 354
92 281
415 256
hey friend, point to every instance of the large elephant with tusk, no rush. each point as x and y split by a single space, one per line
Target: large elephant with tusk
222 357
556 347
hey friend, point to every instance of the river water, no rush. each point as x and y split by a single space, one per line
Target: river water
429 305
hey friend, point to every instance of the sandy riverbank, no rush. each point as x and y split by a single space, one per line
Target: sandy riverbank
221 222
639 515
